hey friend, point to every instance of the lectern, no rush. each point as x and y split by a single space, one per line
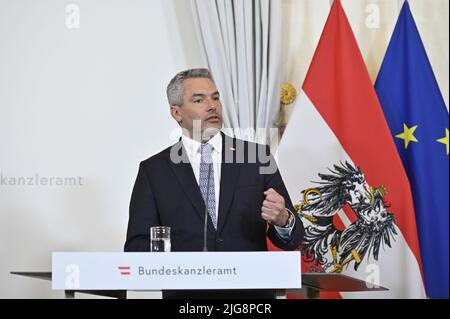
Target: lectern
113 274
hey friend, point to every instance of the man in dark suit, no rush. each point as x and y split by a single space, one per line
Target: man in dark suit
245 196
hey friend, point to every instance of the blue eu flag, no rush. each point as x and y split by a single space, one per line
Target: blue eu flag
418 120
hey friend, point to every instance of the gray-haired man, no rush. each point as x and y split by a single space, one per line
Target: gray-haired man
244 205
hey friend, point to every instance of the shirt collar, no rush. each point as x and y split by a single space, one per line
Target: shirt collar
192 146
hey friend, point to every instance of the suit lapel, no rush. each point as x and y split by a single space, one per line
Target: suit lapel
229 174
185 176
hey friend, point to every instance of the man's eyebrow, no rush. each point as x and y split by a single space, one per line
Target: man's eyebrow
203 95
198 95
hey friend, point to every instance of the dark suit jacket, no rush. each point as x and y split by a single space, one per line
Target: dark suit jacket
167 194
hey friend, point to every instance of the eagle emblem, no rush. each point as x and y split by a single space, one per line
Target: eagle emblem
330 247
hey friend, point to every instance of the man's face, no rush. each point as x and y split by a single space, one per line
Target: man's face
201 103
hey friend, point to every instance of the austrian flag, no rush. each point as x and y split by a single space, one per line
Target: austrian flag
342 168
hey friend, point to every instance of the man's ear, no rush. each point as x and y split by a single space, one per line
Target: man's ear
176 113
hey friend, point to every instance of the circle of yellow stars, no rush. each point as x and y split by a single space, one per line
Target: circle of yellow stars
408 136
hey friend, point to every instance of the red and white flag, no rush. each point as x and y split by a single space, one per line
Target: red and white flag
340 164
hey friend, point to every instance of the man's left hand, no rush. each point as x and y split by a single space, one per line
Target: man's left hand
274 210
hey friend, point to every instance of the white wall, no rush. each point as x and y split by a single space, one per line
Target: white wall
89 103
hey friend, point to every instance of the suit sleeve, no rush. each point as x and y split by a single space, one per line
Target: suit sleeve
275 181
143 214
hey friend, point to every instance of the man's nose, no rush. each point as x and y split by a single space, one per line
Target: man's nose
211 104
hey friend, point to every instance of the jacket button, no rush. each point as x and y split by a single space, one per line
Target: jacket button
219 240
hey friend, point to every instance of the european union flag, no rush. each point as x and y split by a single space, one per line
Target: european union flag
418 119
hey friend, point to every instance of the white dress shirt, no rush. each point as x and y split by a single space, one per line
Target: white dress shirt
192 149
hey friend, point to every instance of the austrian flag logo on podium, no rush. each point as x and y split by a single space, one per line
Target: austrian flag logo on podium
124 270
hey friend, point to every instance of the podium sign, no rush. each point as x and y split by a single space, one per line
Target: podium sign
176 270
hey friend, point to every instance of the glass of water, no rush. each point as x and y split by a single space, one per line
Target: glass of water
160 239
